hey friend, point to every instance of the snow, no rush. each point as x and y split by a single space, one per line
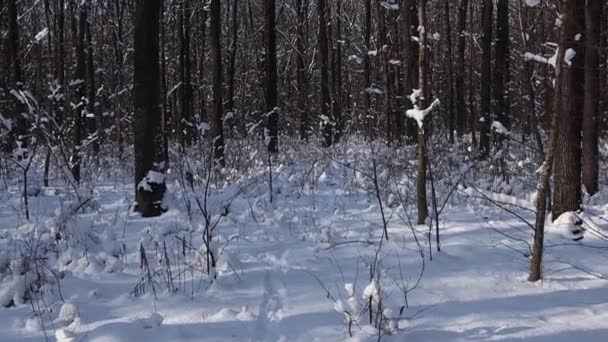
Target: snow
6 123
499 128
42 34
419 114
552 61
390 6
569 56
152 177
276 268
532 3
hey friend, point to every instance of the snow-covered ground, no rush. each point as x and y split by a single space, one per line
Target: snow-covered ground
290 269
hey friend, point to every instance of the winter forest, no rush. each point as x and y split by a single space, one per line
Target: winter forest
303 170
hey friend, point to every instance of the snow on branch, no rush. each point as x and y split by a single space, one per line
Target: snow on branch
419 114
552 61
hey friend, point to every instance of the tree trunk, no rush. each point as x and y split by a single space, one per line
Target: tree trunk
18 135
337 75
91 118
149 178
186 124
301 74
423 210
450 76
326 121
367 66
567 179
486 70
593 19
232 62
215 40
561 104
271 96
410 16
461 111
384 52
501 67
80 108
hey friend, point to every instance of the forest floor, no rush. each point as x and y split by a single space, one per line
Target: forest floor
289 269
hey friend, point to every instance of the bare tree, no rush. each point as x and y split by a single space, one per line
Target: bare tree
147 132
217 129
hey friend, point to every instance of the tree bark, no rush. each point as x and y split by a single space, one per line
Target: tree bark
461 111
91 118
367 70
567 178
80 108
271 96
450 76
147 132
215 40
232 62
593 19
326 121
486 79
410 16
337 75
301 73
186 105
562 100
423 210
502 65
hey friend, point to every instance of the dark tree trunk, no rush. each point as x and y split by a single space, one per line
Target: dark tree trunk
91 118
18 135
410 16
147 131
593 19
450 76
80 108
271 96
502 65
186 104
326 121
203 16
232 62
486 79
337 75
215 40
567 178
423 210
384 52
15 75
461 111
367 66
301 74
562 102
119 59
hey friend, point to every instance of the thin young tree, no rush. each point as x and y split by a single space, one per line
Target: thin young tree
423 209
